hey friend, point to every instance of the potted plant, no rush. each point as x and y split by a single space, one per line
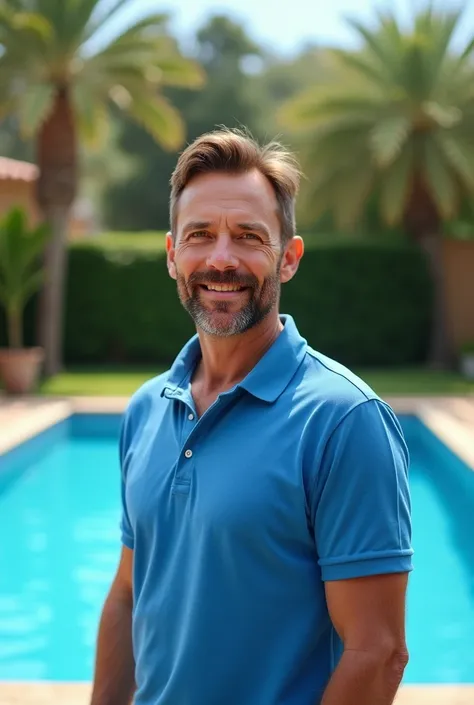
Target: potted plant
467 359
21 274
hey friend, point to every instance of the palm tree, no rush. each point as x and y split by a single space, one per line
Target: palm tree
396 125
62 68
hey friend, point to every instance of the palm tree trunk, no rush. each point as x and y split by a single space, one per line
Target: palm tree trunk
441 353
57 187
425 226
51 310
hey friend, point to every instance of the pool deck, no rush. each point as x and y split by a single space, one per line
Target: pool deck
450 418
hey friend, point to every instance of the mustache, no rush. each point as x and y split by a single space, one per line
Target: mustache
230 278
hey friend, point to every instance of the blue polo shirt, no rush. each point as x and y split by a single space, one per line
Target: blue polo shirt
296 476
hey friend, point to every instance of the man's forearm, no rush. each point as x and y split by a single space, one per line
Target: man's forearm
364 678
114 681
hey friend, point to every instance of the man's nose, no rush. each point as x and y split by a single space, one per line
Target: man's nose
222 255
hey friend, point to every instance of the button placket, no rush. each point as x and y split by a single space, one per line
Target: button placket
184 471
185 464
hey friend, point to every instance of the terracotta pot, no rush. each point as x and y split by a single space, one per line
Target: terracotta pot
20 368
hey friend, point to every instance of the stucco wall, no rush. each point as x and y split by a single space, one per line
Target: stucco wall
459 272
18 193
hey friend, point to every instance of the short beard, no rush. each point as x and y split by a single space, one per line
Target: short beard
213 323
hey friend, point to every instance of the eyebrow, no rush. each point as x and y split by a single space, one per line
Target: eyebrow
204 224
197 225
254 227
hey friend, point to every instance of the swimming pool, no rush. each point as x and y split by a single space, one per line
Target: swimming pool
59 514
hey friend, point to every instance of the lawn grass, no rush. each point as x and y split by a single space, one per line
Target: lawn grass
124 381
98 382
416 381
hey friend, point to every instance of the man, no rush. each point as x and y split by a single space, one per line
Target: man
266 511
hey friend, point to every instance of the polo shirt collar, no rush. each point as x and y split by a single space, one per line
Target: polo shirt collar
266 381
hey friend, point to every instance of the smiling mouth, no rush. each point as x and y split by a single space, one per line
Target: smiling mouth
223 288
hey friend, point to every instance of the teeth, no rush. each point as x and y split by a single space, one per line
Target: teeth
218 287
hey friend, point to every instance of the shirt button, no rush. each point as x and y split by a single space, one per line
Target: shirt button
188 453
191 417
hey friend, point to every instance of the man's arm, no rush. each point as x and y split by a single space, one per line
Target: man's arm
361 514
114 682
369 616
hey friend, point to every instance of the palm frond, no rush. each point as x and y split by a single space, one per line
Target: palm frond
458 152
440 180
412 74
20 249
8 104
335 183
317 197
424 20
353 189
13 5
92 115
389 137
34 106
323 103
361 66
337 141
31 285
72 23
23 22
381 44
444 116
24 37
394 187
145 54
158 117
102 14
441 32
21 33
387 22
466 54
176 71
150 27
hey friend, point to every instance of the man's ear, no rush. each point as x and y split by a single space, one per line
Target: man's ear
170 254
294 251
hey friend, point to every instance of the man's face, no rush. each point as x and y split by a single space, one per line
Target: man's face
227 256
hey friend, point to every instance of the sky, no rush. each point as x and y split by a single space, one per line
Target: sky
296 22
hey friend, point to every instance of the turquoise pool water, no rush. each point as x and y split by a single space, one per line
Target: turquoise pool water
59 514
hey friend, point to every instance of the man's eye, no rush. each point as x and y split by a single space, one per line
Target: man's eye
199 233
250 236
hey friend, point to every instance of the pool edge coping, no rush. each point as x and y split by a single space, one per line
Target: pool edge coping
437 413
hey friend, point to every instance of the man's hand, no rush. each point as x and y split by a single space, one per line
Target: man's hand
369 616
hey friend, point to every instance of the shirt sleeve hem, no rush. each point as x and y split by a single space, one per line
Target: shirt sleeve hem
361 568
128 541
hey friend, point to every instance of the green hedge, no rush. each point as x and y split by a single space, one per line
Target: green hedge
362 303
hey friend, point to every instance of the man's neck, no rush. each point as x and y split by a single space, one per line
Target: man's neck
226 361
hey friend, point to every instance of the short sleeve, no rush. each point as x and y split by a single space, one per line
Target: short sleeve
361 506
126 529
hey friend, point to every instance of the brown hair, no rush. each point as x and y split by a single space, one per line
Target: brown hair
236 151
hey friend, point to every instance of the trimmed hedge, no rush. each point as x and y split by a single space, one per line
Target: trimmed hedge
362 303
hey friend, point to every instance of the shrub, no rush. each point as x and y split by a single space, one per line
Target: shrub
363 303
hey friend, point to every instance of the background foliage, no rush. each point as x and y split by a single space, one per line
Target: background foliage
345 304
